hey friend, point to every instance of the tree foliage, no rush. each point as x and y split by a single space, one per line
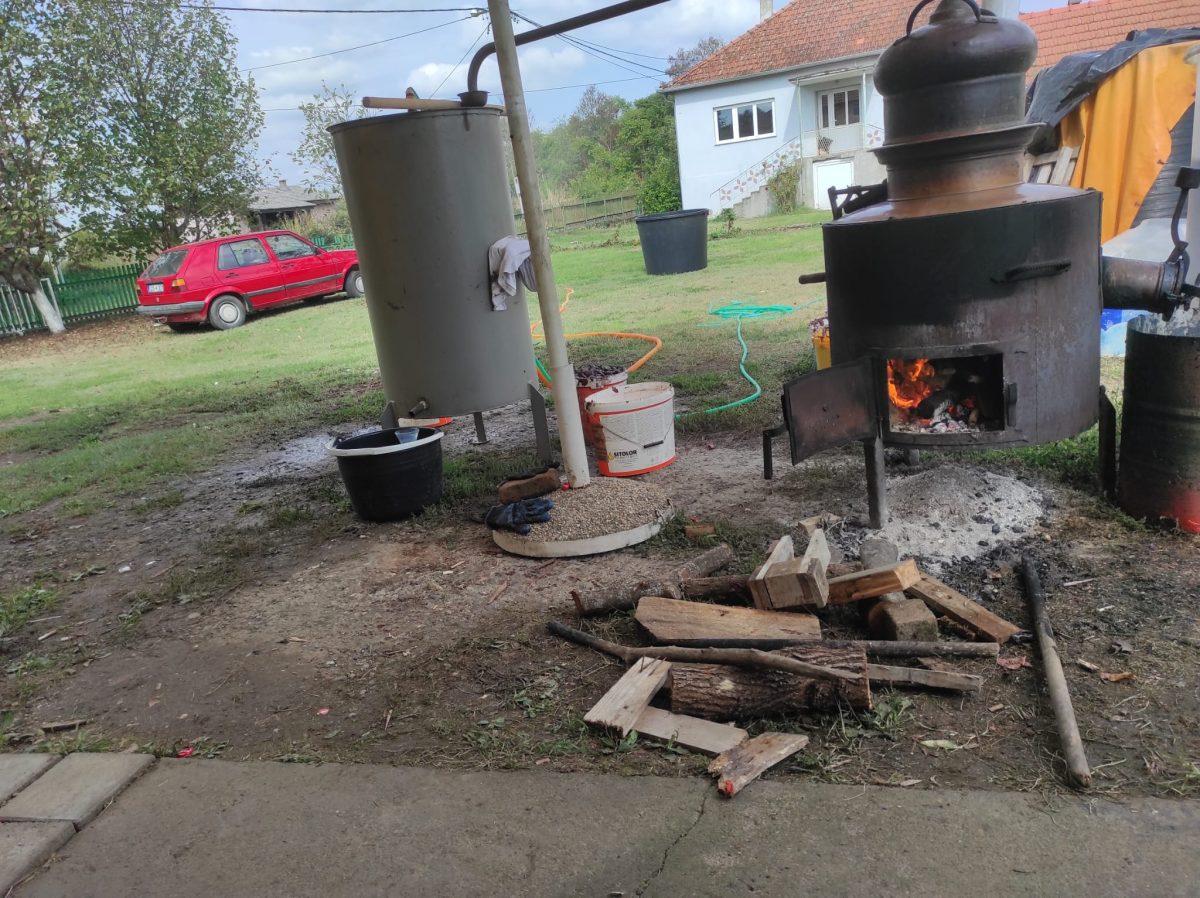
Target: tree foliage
169 152
315 154
686 57
34 112
609 146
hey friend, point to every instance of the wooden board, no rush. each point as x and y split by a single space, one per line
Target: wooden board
781 551
917 676
954 605
671 621
691 732
725 692
801 582
622 705
745 763
877 581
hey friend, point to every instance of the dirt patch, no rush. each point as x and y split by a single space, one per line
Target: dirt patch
271 623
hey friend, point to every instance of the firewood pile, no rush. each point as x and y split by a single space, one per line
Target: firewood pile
729 648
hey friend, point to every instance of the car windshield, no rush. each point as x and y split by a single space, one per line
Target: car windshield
167 264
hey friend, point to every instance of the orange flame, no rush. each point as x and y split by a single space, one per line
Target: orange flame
908 381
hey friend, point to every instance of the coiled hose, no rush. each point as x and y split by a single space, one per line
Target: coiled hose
544 375
739 312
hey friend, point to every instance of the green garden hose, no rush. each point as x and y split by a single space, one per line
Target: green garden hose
739 312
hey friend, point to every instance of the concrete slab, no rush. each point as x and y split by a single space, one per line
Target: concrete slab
76 788
18 771
24 846
202 828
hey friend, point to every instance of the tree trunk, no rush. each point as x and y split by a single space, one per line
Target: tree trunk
47 310
722 692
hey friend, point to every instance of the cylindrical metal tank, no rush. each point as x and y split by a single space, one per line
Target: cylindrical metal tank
1160 423
427 195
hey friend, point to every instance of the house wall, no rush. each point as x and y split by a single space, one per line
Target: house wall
706 166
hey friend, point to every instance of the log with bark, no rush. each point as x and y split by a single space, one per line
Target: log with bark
624 596
725 692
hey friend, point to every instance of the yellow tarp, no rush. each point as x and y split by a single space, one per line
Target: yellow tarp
1123 130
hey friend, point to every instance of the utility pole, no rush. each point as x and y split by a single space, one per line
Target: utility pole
566 405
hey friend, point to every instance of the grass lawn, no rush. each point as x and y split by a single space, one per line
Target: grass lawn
113 409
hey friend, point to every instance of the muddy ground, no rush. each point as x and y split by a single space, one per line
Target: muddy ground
246 613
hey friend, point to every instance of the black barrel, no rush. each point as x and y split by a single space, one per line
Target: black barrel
391 474
674 242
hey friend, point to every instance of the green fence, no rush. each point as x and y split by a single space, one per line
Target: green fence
80 296
337 241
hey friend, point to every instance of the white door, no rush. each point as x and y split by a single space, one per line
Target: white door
831 173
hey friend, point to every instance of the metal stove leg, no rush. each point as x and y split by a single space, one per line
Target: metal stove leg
876 483
481 436
1107 450
541 429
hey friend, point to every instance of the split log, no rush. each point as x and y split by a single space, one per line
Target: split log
1056 682
725 692
872 582
783 550
801 582
673 621
917 676
745 763
624 596
620 707
726 586
751 658
879 648
954 605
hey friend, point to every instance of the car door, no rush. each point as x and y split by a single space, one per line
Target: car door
307 271
245 267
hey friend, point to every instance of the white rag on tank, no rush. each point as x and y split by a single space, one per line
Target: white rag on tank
508 260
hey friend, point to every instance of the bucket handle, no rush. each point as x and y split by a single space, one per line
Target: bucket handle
981 15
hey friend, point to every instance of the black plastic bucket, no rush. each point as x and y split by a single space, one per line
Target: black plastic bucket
673 242
391 474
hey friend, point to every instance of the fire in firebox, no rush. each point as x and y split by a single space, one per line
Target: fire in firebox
953 395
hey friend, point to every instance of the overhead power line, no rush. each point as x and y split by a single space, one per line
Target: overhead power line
596 51
461 58
474 10
386 40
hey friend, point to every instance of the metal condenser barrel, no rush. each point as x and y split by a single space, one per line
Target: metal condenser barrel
1160 423
428 195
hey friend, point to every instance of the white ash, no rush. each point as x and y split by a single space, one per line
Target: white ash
950 512
608 505
1184 322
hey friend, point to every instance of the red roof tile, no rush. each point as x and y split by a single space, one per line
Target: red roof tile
806 32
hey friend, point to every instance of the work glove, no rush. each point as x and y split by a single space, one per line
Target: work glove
517 516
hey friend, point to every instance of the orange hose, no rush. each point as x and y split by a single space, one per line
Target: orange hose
619 334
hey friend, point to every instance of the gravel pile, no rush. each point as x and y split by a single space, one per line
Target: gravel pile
608 505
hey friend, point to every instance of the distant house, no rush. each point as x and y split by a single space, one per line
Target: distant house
276 206
797 89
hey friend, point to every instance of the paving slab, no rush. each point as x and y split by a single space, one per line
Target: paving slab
24 846
18 771
76 788
203 828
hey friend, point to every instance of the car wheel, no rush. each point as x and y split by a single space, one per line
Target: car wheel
354 284
226 312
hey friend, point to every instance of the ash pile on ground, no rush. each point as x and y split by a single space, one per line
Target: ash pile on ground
952 512
608 505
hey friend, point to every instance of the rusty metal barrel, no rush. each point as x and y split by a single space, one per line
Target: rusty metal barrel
1160 423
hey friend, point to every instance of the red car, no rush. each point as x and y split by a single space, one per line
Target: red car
222 280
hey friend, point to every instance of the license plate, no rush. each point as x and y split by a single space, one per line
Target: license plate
154 288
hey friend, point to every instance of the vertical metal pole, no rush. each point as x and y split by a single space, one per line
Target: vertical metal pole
1107 448
541 432
1193 209
876 483
480 429
570 425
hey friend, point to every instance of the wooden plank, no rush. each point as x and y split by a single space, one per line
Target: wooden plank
953 604
876 581
916 676
781 551
1061 172
691 732
622 705
672 621
801 582
741 765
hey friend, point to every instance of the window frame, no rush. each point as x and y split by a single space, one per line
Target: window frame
314 250
733 108
825 96
266 260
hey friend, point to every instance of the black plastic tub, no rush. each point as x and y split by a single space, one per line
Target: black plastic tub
674 242
390 474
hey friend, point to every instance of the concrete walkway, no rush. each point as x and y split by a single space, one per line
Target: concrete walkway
204 828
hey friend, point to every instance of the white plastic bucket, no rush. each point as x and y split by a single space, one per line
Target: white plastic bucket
634 427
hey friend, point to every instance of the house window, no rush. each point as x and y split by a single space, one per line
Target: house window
745 121
839 107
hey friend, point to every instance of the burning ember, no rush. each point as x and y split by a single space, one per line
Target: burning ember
935 395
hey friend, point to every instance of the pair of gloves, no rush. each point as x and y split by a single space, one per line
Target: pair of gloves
518 516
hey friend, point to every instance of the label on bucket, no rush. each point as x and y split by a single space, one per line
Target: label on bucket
633 438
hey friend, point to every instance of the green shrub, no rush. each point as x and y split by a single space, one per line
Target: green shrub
783 185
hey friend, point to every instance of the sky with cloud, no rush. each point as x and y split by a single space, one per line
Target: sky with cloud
275 48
